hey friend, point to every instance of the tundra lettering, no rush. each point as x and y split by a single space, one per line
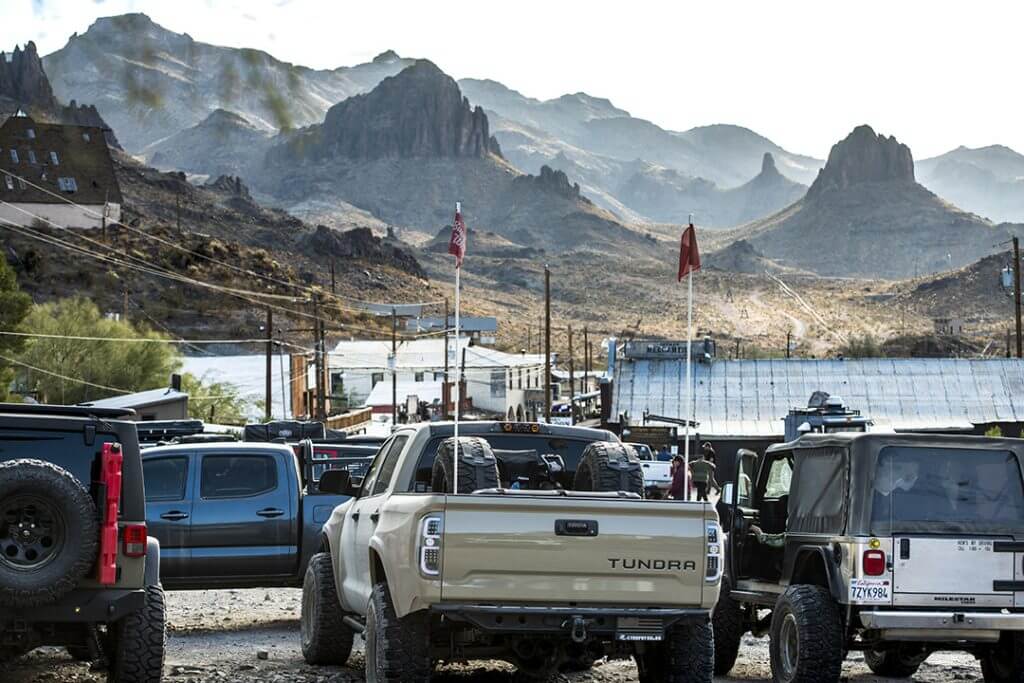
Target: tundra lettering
659 565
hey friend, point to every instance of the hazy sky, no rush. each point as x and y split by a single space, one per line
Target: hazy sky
936 74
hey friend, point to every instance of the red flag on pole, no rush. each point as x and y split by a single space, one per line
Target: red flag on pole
689 256
457 244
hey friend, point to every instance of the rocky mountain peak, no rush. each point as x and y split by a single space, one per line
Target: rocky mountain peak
420 112
768 165
555 182
23 80
386 57
864 157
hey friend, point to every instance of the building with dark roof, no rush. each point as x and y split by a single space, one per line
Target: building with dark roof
57 174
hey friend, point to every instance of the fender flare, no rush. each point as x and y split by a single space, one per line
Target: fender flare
823 557
152 575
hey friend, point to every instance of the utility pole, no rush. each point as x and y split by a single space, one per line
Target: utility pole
445 392
333 291
789 336
737 349
547 345
394 368
124 306
320 409
103 227
529 338
177 204
586 361
270 354
1016 294
572 382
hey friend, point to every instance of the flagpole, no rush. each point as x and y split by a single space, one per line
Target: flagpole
689 383
458 368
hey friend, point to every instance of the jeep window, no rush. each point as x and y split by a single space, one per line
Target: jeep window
387 468
65 449
165 478
944 489
237 476
571 451
779 478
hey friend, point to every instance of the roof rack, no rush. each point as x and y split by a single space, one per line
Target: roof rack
66 411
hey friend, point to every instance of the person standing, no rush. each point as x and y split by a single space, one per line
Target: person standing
677 490
702 472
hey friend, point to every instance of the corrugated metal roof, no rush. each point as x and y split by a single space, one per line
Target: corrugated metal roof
751 397
141 399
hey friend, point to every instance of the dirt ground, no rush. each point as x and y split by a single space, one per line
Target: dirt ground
219 636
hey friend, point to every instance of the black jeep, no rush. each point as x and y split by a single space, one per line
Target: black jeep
897 545
77 568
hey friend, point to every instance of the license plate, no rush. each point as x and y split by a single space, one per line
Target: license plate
870 591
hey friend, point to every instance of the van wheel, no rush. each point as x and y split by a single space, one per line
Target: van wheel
806 636
1005 662
686 656
138 642
397 650
609 466
899 662
729 626
478 468
325 637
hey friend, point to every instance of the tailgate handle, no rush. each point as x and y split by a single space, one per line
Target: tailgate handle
575 527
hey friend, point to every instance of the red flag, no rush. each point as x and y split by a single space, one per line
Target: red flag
457 244
689 256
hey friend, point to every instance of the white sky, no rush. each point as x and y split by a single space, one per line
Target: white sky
936 74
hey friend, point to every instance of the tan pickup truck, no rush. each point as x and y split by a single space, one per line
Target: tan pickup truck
547 557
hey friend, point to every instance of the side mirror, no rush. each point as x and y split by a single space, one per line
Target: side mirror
337 482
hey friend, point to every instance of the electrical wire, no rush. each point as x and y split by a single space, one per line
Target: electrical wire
14 361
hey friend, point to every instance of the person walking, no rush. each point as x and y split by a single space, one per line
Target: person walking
702 472
677 490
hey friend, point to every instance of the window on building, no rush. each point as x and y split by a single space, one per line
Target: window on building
31 157
86 137
67 184
31 132
14 156
376 377
54 159
439 376
418 376
10 182
519 378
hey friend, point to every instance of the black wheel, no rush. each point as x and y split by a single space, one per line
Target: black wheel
478 468
609 466
137 642
1005 662
397 650
325 637
806 636
729 626
49 532
686 656
898 662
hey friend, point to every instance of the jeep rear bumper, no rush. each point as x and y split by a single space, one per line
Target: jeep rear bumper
932 626
92 606
622 622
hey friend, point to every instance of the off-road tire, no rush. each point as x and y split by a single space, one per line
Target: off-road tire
478 468
1005 662
325 637
817 626
397 650
609 466
686 656
893 663
729 625
75 520
137 642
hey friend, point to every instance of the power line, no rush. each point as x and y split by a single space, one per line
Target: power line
141 340
64 377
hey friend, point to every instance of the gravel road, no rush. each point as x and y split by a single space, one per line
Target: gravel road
218 636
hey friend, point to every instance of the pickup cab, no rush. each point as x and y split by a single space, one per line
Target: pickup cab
236 515
555 572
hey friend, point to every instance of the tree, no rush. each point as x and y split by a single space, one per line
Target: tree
14 305
219 402
76 370
865 346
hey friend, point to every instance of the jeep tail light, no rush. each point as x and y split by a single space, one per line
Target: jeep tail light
134 538
431 531
874 562
715 558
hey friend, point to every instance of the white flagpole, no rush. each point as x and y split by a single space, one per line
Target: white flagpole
458 369
689 383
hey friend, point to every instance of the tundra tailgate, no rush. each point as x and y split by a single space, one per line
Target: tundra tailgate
528 549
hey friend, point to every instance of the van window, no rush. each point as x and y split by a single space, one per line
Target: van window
237 476
165 478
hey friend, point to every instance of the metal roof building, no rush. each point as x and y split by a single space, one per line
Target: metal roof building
750 398
155 404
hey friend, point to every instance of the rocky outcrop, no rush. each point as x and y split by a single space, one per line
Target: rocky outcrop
864 157
230 185
362 244
418 113
554 182
23 80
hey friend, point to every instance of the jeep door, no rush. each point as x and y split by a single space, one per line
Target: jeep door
743 513
168 480
245 516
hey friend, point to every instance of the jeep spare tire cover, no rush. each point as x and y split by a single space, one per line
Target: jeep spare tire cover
609 466
49 532
478 467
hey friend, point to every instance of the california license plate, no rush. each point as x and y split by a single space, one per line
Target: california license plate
870 591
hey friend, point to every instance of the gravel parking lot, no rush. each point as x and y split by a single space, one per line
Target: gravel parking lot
221 636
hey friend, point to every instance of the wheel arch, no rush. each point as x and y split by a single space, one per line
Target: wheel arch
813 565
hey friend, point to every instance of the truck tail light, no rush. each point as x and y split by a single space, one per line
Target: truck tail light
715 558
431 532
874 562
111 462
134 538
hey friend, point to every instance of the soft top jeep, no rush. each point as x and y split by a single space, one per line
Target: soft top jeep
77 568
897 545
